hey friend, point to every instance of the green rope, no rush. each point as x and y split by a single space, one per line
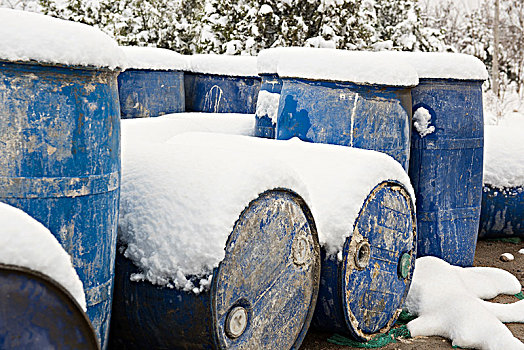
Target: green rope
377 341
520 296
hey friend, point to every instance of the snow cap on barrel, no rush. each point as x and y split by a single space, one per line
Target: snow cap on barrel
267 60
154 59
27 36
359 67
443 65
228 65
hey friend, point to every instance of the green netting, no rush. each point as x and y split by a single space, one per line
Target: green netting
377 341
520 296
405 317
506 239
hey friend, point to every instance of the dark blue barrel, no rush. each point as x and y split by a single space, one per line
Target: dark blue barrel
60 146
38 313
262 294
150 93
446 168
267 106
222 84
363 116
363 292
502 212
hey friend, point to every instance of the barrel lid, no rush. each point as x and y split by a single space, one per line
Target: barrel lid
265 289
359 67
378 261
443 65
27 36
154 58
228 65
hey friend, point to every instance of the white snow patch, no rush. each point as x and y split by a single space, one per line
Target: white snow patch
504 155
154 58
27 36
421 121
267 60
521 251
443 65
180 199
508 257
361 67
229 65
267 105
447 300
161 129
265 9
26 242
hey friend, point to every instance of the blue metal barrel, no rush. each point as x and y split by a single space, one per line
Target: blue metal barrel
446 168
262 294
363 116
60 146
38 313
212 93
502 212
267 106
362 292
150 93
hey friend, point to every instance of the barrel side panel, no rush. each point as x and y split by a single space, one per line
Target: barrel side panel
502 212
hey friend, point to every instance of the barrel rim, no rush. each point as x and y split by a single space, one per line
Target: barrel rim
314 234
349 317
214 75
60 65
61 289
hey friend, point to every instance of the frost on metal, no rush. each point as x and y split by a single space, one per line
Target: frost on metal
422 121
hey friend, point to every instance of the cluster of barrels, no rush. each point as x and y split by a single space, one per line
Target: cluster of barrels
60 133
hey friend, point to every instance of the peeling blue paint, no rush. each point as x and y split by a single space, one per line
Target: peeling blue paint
370 117
270 270
362 294
150 93
446 169
38 313
502 212
60 146
221 94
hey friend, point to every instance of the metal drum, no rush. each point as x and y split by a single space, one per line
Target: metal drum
502 212
150 93
362 292
446 168
60 146
267 106
38 313
342 113
262 294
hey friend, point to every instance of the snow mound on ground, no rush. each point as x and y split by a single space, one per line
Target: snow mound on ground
154 58
447 300
27 36
180 199
26 242
229 65
504 155
360 67
161 129
443 65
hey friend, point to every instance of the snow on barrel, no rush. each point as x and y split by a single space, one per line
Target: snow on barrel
222 224
502 211
153 82
60 132
43 299
447 153
349 98
222 84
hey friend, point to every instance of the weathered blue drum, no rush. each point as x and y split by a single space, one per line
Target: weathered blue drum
267 106
60 146
362 292
446 168
38 313
150 93
502 212
262 294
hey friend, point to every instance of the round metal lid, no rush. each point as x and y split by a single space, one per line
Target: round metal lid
378 261
265 289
